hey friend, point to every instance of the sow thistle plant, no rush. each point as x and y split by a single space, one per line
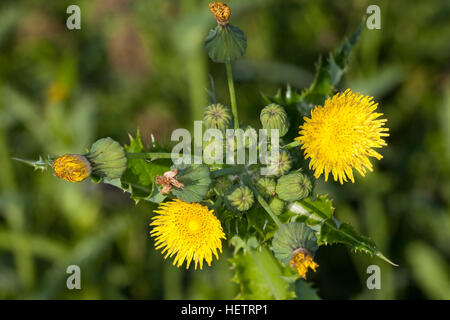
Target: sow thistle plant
274 219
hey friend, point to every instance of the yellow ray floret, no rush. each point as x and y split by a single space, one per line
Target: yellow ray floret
302 260
72 167
188 230
221 12
341 135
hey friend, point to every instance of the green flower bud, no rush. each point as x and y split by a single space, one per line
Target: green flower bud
266 186
294 186
295 244
241 198
281 165
107 158
217 116
274 116
225 43
195 181
277 205
221 185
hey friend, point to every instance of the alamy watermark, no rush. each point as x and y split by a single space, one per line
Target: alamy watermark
230 147
374 280
374 20
74 280
73 22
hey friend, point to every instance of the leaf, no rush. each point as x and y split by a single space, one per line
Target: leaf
328 75
318 215
338 61
139 178
260 276
260 221
40 164
304 291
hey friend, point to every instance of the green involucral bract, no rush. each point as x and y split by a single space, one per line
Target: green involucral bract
241 198
107 158
196 181
294 186
274 116
290 237
266 186
217 116
225 43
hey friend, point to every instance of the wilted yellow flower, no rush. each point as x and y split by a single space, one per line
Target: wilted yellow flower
189 230
57 92
302 260
72 167
341 135
221 11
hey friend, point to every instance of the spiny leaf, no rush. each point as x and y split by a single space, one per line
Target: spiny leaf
260 276
139 178
338 60
260 221
40 164
318 215
328 75
304 290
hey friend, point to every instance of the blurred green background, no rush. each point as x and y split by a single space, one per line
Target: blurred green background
140 63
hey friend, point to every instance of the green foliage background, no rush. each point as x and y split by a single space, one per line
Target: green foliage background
142 64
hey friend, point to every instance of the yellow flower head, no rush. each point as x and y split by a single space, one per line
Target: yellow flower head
189 230
221 11
72 167
302 260
341 135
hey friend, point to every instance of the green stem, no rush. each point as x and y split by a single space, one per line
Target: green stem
232 95
154 155
293 144
226 171
261 200
149 155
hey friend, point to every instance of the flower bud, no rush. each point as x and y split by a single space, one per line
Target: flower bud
225 43
277 205
294 186
108 158
281 164
241 198
72 167
221 185
195 181
295 244
266 186
217 116
274 116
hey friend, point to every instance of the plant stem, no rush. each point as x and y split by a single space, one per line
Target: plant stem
261 200
293 144
149 155
226 171
232 95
